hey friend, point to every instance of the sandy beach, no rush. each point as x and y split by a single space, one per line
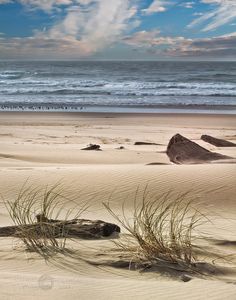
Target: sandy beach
45 148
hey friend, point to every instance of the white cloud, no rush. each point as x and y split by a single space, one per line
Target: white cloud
98 25
5 1
87 28
156 6
222 12
197 14
228 35
143 38
217 1
189 4
150 40
46 5
39 47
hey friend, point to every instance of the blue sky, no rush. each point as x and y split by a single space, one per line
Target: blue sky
118 29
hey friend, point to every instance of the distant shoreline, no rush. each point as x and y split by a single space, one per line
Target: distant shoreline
185 109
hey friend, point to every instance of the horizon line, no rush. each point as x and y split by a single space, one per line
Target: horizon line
113 60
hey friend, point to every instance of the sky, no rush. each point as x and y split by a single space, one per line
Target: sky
118 29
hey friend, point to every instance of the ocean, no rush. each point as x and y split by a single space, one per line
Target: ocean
118 86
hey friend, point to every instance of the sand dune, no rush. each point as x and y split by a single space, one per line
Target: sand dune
44 149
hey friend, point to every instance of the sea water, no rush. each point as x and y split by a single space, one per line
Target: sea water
118 86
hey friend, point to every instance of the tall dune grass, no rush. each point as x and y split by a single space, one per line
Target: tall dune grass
30 211
162 230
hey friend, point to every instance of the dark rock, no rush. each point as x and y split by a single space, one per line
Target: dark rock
181 150
186 278
76 228
92 147
121 148
145 143
217 142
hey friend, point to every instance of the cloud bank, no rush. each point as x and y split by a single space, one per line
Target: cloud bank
222 46
148 39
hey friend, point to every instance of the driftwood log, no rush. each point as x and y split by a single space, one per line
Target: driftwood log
76 228
181 150
217 142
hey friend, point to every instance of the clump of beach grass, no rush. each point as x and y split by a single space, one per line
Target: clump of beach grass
32 211
161 230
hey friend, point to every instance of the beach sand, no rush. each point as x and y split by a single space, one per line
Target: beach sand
44 149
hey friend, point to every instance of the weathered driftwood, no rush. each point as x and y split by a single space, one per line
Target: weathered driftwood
144 143
181 150
92 147
77 228
217 142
